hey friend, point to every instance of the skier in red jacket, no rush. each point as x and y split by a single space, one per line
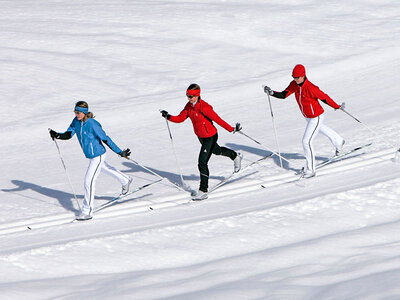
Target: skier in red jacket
202 116
307 95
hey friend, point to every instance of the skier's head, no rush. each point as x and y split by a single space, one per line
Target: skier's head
299 73
82 110
193 93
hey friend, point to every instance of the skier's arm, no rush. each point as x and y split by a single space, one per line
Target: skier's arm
280 95
325 98
69 133
208 111
100 133
65 135
183 115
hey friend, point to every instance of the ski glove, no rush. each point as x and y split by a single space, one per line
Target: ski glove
268 90
342 106
237 128
54 135
125 153
165 114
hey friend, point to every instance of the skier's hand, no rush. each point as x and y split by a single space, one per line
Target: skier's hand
165 114
342 106
237 128
54 135
125 153
268 90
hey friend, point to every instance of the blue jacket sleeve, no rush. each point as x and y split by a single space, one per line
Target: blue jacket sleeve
100 133
69 133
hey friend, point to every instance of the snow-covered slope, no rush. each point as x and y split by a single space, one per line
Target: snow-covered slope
262 235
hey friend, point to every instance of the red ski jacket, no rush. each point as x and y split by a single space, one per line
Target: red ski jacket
202 116
307 96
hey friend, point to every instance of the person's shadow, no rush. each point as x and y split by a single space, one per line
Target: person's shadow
66 200
173 177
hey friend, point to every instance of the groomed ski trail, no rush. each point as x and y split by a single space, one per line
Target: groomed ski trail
271 185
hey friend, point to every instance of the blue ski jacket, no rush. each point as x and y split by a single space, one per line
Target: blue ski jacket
90 135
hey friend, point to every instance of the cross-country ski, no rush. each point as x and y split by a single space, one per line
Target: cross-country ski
336 158
120 197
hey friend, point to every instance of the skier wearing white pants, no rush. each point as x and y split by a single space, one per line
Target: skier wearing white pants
96 165
307 96
91 137
314 126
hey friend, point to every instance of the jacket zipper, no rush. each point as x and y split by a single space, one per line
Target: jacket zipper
91 146
82 133
205 127
301 104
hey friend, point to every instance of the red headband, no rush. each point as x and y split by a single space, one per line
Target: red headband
195 93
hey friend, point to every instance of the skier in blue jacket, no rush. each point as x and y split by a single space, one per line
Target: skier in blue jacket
91 138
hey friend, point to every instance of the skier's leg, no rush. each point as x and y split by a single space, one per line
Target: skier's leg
122 178
233 155
110 170
207 144
218 150
92 173
333 136
310 133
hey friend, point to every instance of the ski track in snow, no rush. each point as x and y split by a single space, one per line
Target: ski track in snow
331 237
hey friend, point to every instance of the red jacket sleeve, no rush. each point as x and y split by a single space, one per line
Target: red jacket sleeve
183 115
208 111
291 88
324 97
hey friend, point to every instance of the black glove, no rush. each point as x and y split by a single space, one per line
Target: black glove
268 90
54 135
237 128
125 153
165 114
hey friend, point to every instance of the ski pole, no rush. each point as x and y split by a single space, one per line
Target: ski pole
373 131
273 125
345 111
173 150
66 172
156 174
257 142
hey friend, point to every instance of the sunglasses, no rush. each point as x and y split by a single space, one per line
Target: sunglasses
190 96
295 77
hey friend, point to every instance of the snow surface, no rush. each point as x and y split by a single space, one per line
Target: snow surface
332 237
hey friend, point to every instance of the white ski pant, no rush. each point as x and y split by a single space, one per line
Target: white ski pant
315 125
96 165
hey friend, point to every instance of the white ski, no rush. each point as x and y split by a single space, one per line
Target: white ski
335 158
116 199
340 156
223 182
